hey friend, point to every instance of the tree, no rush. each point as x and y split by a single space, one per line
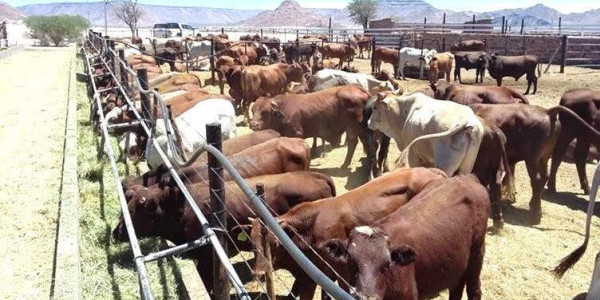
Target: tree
130 13
361 11
56 28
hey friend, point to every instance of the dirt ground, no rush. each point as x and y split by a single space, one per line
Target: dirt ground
519 259
33 96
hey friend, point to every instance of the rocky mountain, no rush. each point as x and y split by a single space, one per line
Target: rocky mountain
290 14
9 13
195 16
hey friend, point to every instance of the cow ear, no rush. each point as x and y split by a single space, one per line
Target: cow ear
403 255
335 250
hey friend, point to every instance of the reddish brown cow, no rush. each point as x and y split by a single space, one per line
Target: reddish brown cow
175 82
387 55
259 81
164 212
469 45
440 64
585 103
434 242
322 220
274 156
364 44
340 51
250 50
531 134
326 114
472 94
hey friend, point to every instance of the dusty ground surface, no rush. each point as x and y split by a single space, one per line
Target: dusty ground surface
519 259
32 123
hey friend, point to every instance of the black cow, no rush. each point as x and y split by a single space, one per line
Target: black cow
294 51
470 60
515 66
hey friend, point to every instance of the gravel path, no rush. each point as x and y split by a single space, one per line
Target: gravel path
33 98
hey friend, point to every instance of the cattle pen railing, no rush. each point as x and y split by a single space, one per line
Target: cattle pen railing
99 51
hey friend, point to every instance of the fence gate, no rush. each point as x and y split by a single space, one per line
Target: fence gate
583 52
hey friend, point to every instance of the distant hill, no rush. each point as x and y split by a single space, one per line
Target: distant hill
9 13
195 16
291 14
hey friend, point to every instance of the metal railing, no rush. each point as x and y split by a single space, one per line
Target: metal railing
105 53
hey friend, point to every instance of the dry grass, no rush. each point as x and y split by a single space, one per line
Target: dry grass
519 259
107 267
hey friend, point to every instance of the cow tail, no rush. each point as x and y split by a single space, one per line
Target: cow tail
244 85
509 177
555 110
568 261
539 70
403 159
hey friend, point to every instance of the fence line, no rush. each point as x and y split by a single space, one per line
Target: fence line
257 202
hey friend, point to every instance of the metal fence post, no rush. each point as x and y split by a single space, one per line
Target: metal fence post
219 217
397 69
473 24
564 48
142 74
297 34
522 25
260 192
503 21
261 33
212 60
372 55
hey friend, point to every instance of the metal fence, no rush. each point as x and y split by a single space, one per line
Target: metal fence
100 50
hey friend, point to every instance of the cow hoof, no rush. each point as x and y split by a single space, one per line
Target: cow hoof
498 224
536 219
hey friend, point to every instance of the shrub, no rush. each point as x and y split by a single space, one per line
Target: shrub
56 28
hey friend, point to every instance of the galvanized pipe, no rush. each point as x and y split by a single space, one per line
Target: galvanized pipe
177 249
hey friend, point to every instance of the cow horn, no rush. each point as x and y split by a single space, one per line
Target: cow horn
251 219
274 104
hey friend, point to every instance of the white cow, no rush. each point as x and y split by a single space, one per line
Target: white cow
367 82
191 126
414 56
451 132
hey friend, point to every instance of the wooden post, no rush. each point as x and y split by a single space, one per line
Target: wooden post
372 55
261 33
212 60
421 62
565 48
222 30
297 34
522 25
559 25
142 74
122 72
473 24
443 44
503 22
330 32
260 192
397 71
219 216
444 22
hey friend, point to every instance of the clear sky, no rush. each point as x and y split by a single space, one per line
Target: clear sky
458 5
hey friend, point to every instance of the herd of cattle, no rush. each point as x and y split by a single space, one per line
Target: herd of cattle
406 234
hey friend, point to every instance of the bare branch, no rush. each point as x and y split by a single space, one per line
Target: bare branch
130 13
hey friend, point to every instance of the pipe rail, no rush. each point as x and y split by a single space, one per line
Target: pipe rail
325 282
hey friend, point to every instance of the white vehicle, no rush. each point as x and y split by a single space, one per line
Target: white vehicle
167 30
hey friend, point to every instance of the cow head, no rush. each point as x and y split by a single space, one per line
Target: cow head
428 55
368 257
382 113
265 114
132 146
295 72
149 208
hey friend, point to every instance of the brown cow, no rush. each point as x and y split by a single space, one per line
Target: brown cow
515 66
223 66
340 51
472 94
321 220
274 156
385 76
326 114
440 64
387 55
174 83
256 81
585 103
531 134
164 212
434 242
253 51
469 45
364 44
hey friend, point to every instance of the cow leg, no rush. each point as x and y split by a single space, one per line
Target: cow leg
495 197
499 81
538 180
581 152
456 292
383 153
473 273
305 288
457 74
352 139
447 159
246 109
401 67
534 79
313 149
560 149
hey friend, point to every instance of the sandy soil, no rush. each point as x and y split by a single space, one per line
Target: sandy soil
519 259
33 96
